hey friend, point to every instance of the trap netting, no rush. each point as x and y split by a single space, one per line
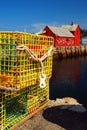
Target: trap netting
25 70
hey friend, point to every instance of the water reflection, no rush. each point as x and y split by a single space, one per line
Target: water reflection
69 78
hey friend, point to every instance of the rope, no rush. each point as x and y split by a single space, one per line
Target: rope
32 55
8 88
40 60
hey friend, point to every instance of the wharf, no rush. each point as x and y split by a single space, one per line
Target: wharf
58 115
70 51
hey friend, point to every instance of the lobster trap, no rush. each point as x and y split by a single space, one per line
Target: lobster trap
25 70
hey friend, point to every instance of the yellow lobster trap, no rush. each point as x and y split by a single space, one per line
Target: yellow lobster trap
25 70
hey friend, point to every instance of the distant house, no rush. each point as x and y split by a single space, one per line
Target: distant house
67 35
84 40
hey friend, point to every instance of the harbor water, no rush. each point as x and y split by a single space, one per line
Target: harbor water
69 79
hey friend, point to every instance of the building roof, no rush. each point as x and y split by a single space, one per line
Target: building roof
59 31
71 27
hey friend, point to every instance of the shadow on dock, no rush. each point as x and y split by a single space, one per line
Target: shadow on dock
66 118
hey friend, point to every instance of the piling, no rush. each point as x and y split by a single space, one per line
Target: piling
70 51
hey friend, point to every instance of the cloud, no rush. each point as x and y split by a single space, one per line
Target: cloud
36 27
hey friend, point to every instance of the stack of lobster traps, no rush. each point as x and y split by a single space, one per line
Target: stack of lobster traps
25 70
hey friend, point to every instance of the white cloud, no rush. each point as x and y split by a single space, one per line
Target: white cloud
36 27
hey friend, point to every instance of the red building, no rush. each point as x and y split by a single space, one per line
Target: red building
67 35
75 30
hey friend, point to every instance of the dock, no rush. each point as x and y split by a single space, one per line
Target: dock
69 51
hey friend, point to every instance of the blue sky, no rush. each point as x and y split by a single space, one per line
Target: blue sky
34 15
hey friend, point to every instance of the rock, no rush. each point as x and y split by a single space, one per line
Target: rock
68 103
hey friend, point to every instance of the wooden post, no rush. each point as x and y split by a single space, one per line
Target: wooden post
79 50
63 52
68 51
86 49
73 51
82 50
76 51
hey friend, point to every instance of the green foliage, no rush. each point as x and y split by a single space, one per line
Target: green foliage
83 32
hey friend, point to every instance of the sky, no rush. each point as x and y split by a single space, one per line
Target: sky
33 15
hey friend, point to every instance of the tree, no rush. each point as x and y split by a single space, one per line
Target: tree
83 32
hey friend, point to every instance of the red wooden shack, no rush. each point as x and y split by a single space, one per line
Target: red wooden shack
66 35
75 30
